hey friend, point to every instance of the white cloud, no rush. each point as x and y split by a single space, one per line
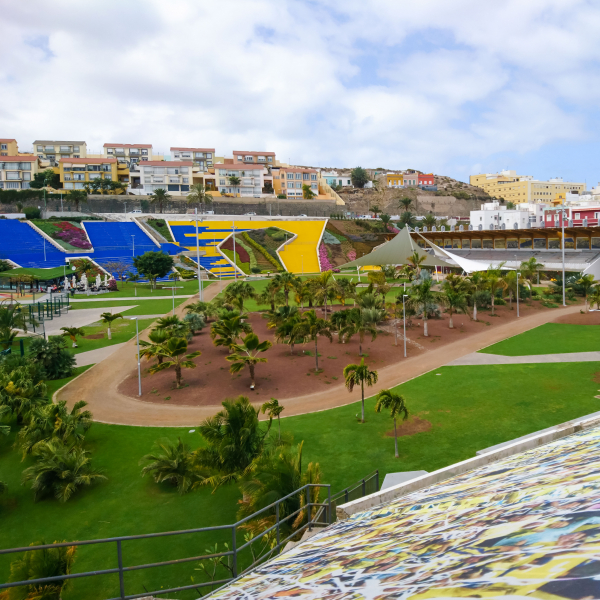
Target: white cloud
433 84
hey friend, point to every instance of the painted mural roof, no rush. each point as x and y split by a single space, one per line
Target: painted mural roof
525 526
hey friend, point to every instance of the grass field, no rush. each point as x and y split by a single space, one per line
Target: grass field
142 307
469 408
549 339
127 290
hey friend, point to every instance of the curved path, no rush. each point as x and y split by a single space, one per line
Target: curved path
98 385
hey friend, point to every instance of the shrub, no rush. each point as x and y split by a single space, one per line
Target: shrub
255 269
52 355
112 285
262 250
31 212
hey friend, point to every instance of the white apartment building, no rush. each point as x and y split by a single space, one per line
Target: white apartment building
170 175
494 216
536 212
16 172
201 157
251 177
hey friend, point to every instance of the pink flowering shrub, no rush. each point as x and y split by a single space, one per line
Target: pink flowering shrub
72 235
351 255
324 259
392 228
112 285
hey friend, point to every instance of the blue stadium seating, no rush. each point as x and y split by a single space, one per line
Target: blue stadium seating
22 244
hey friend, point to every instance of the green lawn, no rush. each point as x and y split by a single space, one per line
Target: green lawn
469 408
142 307
42 274
549 339
128 290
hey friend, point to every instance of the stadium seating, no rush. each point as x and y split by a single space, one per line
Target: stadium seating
20 243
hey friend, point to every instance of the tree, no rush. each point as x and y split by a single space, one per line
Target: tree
360 375
415 260
85 267
117 186
153 348
12 318
594 297
396 404
509 283
307 193
312 327
286 282
194 321
455 302
60 470
199 195
322 285
226 331
173 463
204 309
530 269
405 203
238 292
40 564
339 320
285 328
429 220
46 178
476 281
304 293
153 265
233 439
72 333
118 268
407 219
586 283
493 281
52 355
234 182
108 318
174 352
77 197
362 322
359 177
274 409
385 219
159 198
423 299
19 393
246 354
174 327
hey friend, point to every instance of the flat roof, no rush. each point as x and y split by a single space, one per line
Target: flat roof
57 142
254 153
110 145
92 161
300 170
193 149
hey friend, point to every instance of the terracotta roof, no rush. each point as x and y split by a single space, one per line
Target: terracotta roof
194 149
21 158
57 143
253 153
90 161
128 145
239 166
298 170
166 163
7 140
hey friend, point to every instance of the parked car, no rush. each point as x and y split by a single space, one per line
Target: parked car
303 215
135 212
250 214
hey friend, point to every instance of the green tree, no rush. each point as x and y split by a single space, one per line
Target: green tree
415 260
429 220
235 182
77 197
509 283
423 300
195 322
20 394
361 323
85 267
159 198
108 319
238 292
204 309
199 195
172 463
153 265
52 355
455 302
285 328
594 297
493 282
12 318
405 203
273 409
396 404
174 352
246 354
385 219
174 327
355 375
359 177
476 282
286 282
529 270
586 283
72 333
407 219
153 348
271 295
60 470
339 320
226 331
322 285
307 193
46 178
312 327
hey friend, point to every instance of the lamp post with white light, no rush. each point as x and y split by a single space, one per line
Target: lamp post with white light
176 287
404 319
139 368
518 315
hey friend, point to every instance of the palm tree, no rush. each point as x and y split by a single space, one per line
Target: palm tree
311 327
387 399
133 277
274 409
199 195
586 283
239 291
322 285
153 348
235 181
455 302
59 470
361 323
281 315
226 331
423 299
530 268
360 375
429 220
339 320
415 261
385 219
345 289
206 309
12 317
174 350
285 331
594 297
39 564
493 282
407 219
20 394
271 295
159 198
173 463
246 354
456 283
108 318
85 267
305 293
406 203
174 327
194 322
286 282
234 439
476 281
72 333
509 283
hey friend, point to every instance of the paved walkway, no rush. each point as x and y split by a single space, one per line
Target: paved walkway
92 357
99 385
78 318
481 358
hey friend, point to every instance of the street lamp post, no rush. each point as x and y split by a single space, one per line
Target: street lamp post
404 319
139 368
518 315
200 293
234 261
562 222
175 287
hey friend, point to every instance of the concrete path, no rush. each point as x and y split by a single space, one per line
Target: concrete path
481 358
92 357
99 385
78 318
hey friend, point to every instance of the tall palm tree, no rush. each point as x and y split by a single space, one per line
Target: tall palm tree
429 220
134 278
345 289
312 327
305 293
108 318
286 332
153 348
173 463
455 302
396 404
234 182
594 297
159 198
72 333
174 351
385 219
407 219
246 354
406 203
271 295
226 331
415 261
586 283
362 322
322 285
360 375
423 299
476 281
493 281
85 267
530 269
339 320
236 293
12 318
60 470
199 195
273 409
281 315
509 283
286 282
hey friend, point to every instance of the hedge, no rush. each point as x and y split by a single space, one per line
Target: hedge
260 249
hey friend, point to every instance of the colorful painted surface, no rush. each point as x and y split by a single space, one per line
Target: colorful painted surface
299 255
526 526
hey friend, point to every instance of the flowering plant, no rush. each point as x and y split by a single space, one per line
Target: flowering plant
351 255
72 235
324 258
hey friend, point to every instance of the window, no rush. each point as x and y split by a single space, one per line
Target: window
148 169
172 188
48 148
248 158
67 177
269 159
578 215
79 186
221 182
159 170
144 151
75 148
185 188
3 147
313 186
81 176
596 215
40 148
184 170
158 180
13 185
240 158
13 175
299 185
209 155
314 177
25 166
186 180
26 176
198 154
76 156
298 175
305 176
290 184
173 179
66 149
172 171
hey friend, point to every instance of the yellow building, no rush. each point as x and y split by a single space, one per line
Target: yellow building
394 179
523 188
53 152
76 172
8 147
289 181
17 172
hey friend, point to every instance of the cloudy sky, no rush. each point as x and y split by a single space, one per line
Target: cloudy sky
450 86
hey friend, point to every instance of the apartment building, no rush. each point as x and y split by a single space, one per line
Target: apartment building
203 158
8 147
394 179
16 172
129 153
411 179
53 151
494 216
289 181
264 158
426 179
523 188
76 172
174 176
334 178
251 179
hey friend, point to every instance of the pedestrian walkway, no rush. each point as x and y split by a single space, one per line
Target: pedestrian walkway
91 357
481 358
78 318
